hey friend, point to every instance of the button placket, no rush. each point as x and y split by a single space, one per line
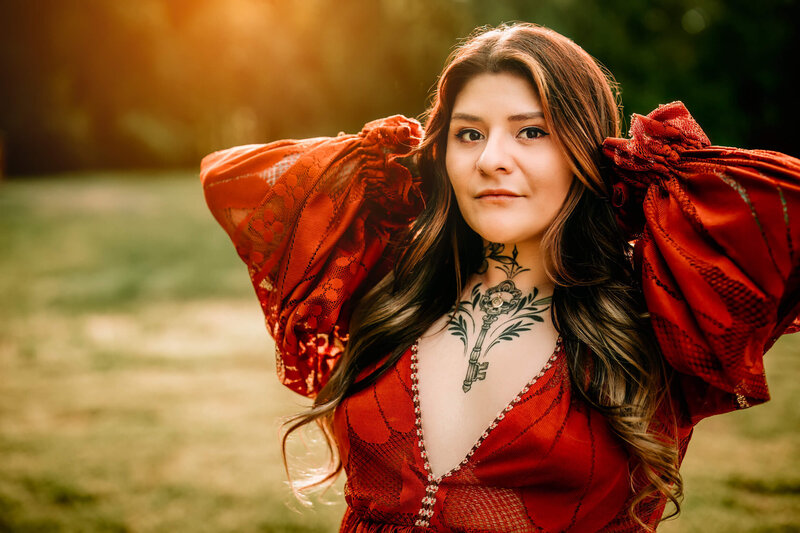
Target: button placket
429 500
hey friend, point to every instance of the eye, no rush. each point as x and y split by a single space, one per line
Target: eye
469 135
532 132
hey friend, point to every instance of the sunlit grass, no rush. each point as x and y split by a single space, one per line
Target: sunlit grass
742 470
137 388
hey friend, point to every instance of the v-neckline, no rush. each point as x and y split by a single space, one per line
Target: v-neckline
497 419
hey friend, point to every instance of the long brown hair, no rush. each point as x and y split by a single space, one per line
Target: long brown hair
597 308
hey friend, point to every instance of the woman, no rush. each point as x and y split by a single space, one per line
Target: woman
485 349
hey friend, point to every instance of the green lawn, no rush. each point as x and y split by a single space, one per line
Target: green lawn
137 388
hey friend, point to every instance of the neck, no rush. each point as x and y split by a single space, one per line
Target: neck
521 263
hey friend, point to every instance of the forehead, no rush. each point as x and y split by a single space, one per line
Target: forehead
494 94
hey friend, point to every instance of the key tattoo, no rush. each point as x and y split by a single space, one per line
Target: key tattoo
502 301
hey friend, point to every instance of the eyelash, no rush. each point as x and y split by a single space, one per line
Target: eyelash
461 134
539 133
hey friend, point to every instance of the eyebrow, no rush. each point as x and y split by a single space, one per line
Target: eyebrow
513 118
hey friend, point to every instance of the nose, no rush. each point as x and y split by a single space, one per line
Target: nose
495 156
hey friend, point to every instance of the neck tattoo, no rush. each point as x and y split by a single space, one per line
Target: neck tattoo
506 313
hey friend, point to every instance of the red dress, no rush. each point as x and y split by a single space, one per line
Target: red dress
718 248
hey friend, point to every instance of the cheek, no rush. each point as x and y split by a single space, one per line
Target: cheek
553 178
456 173
551 200
562 188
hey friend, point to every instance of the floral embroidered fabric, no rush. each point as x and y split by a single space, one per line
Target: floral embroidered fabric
717 236
311 220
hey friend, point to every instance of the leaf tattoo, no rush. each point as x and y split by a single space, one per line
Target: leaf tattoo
519 314
508 263
458 325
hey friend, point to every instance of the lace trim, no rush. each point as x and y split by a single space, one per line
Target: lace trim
429 500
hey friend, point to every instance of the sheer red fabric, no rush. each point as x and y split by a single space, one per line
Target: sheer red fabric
311 219
719 231
716 245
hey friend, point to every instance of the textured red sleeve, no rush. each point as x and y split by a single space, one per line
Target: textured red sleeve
718 246
311 220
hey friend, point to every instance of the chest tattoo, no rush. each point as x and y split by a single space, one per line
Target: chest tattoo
506 314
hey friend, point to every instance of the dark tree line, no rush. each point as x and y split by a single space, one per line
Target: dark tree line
159 83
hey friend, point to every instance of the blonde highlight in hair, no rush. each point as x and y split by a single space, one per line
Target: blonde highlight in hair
614 361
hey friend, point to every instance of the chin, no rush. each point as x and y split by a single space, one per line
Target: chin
508 229
501 235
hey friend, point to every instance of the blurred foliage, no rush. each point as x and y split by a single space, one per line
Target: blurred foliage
155 83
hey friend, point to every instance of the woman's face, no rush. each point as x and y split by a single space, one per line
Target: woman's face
509 176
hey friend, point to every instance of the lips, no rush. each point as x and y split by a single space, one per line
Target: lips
497 193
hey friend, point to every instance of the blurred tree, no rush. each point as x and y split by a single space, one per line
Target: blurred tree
154 83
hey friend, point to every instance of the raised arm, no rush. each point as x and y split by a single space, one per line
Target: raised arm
718 246
311 219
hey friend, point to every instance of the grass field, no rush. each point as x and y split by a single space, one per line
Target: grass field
137 388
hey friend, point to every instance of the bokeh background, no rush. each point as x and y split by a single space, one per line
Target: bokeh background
137 388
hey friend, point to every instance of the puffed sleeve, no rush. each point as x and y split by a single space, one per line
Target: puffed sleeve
718 247
311 219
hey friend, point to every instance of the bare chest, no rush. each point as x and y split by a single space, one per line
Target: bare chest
465 380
